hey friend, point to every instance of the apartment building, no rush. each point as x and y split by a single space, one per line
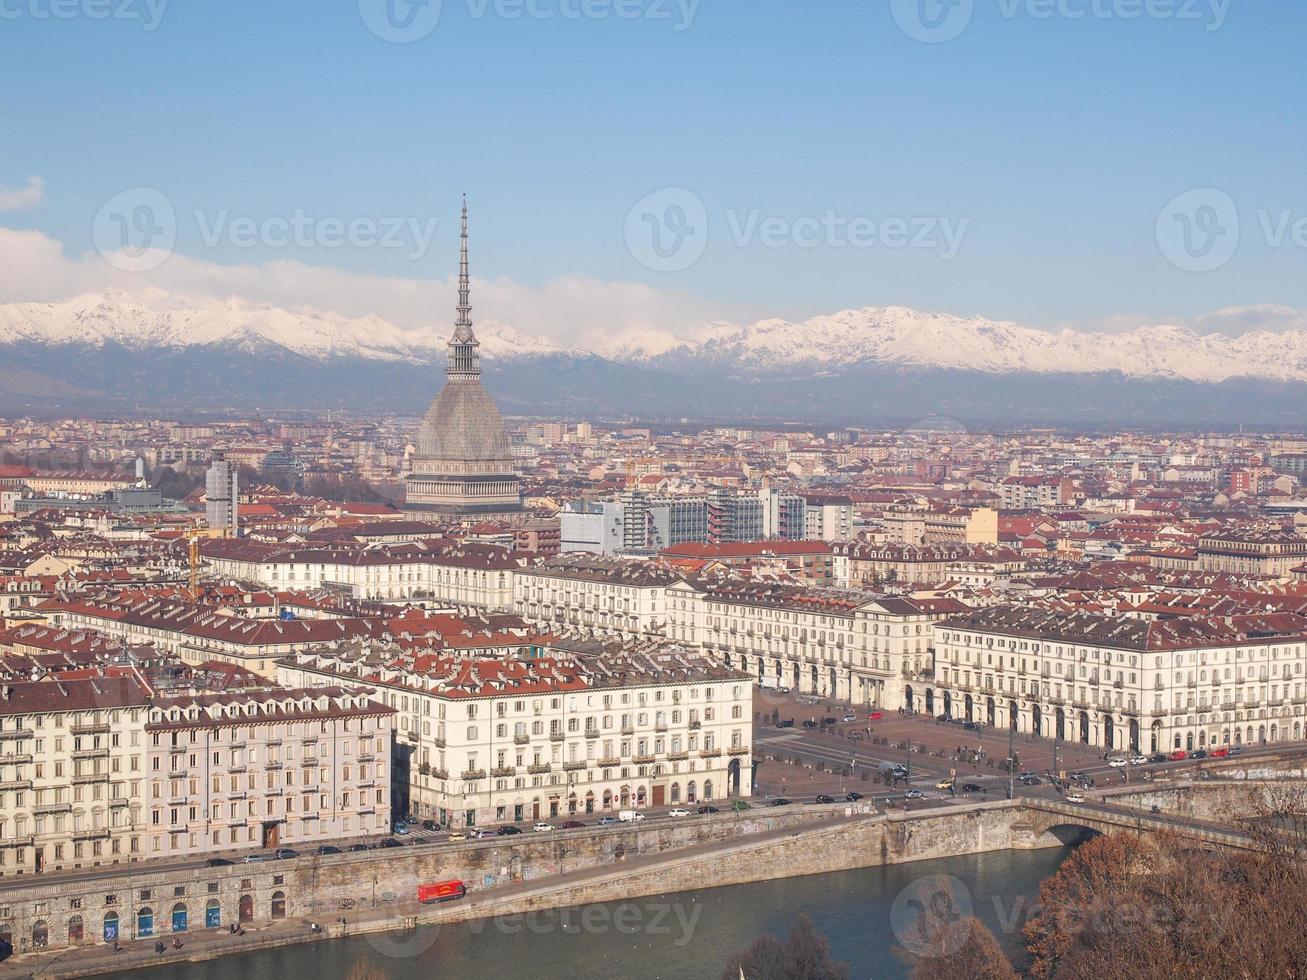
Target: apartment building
276 768
72 773
491 741
465 575
603 596
848 645
857 565
1252 552
1122 683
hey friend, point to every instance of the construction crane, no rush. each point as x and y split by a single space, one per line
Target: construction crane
193 536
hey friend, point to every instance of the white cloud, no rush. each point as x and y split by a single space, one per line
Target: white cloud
27 198
570 311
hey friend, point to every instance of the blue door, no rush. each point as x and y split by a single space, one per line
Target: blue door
145 923
212 915
111 927
179 917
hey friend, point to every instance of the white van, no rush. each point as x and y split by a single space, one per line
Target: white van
626 816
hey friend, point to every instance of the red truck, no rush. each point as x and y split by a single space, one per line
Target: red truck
441 891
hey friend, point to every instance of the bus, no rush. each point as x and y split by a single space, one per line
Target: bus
441 891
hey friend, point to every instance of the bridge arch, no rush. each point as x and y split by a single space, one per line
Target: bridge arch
1068 835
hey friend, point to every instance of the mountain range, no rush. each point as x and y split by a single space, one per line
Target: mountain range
873 365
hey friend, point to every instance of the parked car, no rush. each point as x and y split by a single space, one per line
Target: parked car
850 717
779 801
387 842
255 858
456 835
1157 757
912 794
430 825
360 847
1074 798
1117 763
1198 754
605 820
1138 760
629 816
328 849
216 863
542 828
823 798
785 723
508 830
1179 755
678 811
1220 753
944 784
572 824
284 854
828 721
972 788
739 806
970 726
852 796
401 827
705 810
810 723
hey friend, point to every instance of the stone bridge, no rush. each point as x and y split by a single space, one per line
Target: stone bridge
1045 823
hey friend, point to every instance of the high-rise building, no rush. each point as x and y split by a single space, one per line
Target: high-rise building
463 465
220 497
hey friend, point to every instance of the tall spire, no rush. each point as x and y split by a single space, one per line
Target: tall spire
464 304
463 361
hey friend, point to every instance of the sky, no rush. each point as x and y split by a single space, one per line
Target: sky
649 166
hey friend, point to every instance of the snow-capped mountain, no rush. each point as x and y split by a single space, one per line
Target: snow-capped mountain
110 351
115 318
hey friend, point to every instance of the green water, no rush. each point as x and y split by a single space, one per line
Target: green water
864 914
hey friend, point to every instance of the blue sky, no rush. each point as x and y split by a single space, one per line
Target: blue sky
1054 141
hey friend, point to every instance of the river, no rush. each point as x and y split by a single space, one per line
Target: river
684 936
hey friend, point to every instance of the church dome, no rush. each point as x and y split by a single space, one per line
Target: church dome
462 424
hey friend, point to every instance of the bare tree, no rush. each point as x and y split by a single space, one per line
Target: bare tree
805 955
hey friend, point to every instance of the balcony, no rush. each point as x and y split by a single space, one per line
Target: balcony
555 736
521 739
14 784
609 763
92 729
90 753
15 733
16 841
710 753
90 777
592 733
118 803
439 773
438 741
474 774
15 759
273 764
538 768
574 765
677 756
739 750
628 729
504 771
46 808
695 725
660 727
643 760
103 833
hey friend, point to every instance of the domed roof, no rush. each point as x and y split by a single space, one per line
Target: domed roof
462 424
